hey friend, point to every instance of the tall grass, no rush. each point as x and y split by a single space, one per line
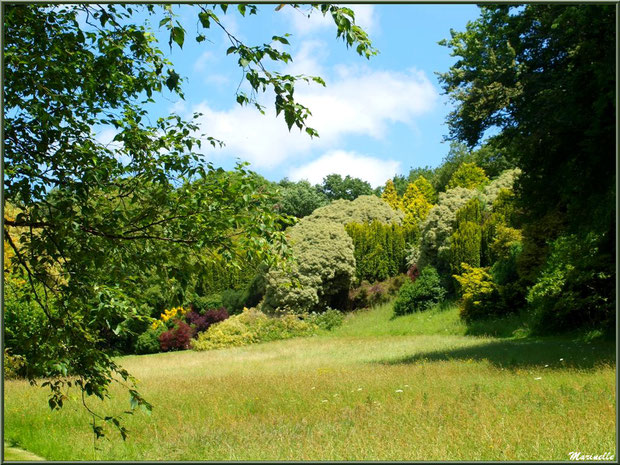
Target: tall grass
377 388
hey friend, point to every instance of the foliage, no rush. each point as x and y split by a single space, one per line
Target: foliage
504 182
299 199
422 294
249 296
480 296
201 321
327 320
204 303
325 265
334 187
543 77
101 221
13 365
469 176
148 341
416 202
364 209
250 327
439 225
371 294
389 195
466 241
465 246
176 338
234 300
571 290
379 249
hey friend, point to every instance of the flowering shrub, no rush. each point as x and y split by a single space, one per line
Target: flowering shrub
168 316
178 337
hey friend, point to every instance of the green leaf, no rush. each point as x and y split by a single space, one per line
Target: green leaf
205 19
177 34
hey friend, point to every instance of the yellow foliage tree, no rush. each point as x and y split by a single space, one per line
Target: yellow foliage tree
390 196
417 201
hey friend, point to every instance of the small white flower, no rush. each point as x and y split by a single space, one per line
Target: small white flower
537 378
359 389
399 390
546 366
561 360
323 401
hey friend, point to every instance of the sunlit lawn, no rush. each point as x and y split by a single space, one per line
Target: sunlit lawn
378 388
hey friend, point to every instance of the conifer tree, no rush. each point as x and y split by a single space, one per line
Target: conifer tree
390 196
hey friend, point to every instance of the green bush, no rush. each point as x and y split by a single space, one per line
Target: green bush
13 365
208 302
148 341
327 320
234 300
250 327
576 287
425 292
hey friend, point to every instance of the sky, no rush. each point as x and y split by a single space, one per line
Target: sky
376 118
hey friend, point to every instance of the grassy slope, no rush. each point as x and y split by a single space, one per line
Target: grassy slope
409 388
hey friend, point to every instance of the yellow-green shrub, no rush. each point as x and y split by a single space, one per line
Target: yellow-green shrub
480 297
250 327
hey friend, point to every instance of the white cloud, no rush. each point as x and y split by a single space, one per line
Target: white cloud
365 17
374 170
360 102
306 61
201 62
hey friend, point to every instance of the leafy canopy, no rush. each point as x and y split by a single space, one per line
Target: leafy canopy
92 220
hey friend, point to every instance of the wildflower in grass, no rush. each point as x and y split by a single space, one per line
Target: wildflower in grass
537 378
359 388
399 390
546 366
561 360
323 401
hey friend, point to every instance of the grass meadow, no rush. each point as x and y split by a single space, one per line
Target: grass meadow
417 387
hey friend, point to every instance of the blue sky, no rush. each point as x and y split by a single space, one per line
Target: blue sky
376 117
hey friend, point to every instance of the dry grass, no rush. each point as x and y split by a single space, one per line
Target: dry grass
356 394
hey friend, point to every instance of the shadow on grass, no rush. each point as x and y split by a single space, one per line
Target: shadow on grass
557 353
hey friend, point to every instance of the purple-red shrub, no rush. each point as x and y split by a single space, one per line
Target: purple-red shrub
202 322
176 338
413 273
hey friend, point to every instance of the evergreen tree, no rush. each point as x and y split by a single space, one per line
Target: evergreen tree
390 196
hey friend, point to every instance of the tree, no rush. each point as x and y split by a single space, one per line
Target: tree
389 195
469 176
91 221
543 77
335 187
416 202
322 273
299 199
